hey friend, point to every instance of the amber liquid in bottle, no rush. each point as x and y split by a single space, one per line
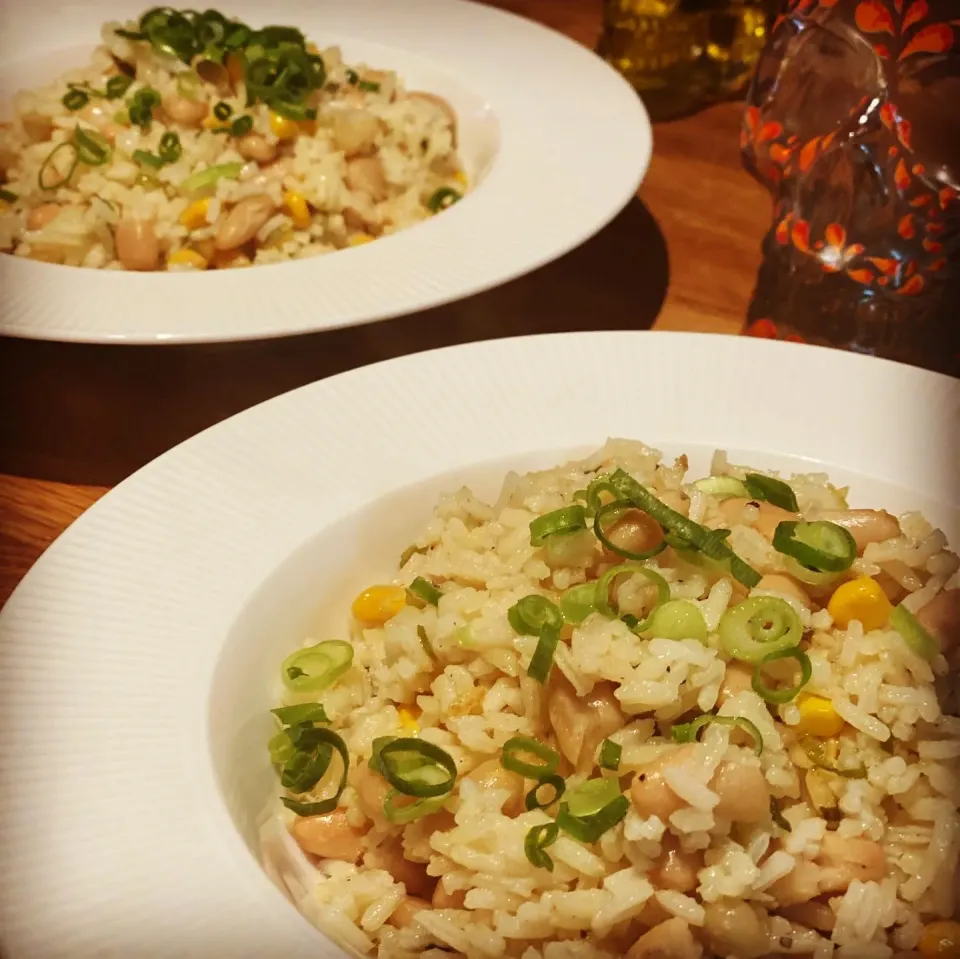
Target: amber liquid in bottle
681 54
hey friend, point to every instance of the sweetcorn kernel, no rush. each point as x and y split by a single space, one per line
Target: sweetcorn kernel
376 604
187 257
862 599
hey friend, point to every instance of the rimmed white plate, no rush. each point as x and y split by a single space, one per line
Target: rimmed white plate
138 657
554 140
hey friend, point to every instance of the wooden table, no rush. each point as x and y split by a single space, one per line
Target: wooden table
77 419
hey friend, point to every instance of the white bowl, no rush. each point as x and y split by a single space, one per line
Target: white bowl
138 657
554 140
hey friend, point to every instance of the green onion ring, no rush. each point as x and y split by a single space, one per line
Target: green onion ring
578 602
401 814
542 660
619 506
697 536
759 626
425 642
203 179
396 764
536 842
93 149
223 111
610 753
816 751
821 546
530 614
241 126
7 196
555 782
722 487
565 520
43 181
117 86
316 667
608 581
444 198
591 796
518 745
75 99
773 490
280 748
170 149
677 619
302 713
321 743
687 732
423 590
590 828
147 159
913 633
781 696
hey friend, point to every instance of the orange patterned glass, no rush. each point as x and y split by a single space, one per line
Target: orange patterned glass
853 124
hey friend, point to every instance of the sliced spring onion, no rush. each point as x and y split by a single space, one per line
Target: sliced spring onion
203 179
223 111
368 86
811 577
536 842
688 732
411 551
722 487
773 490
578 602
280 747
317 746
693 534
565 520
75 99
530 614
820 546
533 799
591 796
610 753
316 667
93 149
241 126
59 178
607 584
518 746
444 197
170 149
8 197
823 754
777 816
678 619
425 642
302 713
117 86
654 541
759 626
141 106
415 767
542 660
591 828
913 633
147 159
423 590
353 78
398 808
781 696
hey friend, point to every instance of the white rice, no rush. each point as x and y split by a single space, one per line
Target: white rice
880 843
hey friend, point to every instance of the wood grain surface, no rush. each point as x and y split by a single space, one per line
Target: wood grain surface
77 419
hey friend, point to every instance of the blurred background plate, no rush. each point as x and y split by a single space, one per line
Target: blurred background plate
554 140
